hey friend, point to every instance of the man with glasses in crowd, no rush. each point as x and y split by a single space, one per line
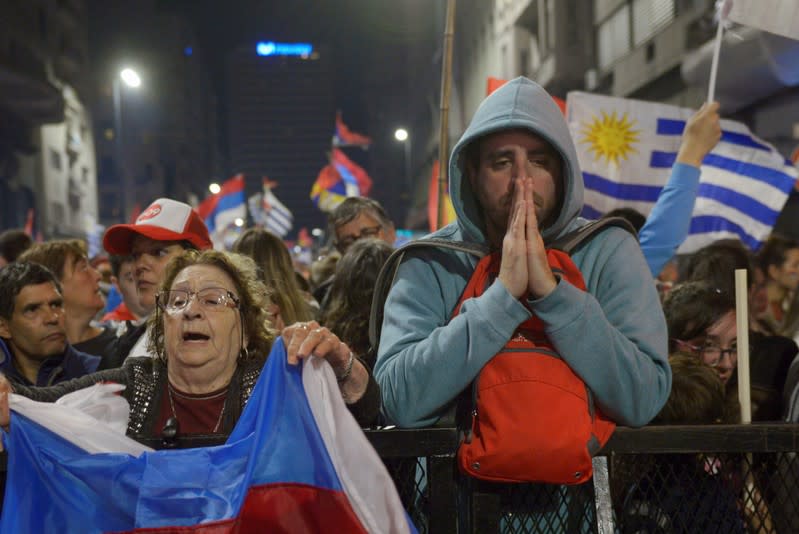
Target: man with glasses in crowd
359 217
356 218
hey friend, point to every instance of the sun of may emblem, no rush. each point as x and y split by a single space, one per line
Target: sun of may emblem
610 137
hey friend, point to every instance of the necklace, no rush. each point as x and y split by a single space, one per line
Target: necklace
221 412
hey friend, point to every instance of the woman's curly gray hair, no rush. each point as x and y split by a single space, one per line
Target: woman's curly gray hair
253 296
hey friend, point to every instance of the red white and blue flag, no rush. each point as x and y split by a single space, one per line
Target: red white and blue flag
338 180
296 462
343 136
220 210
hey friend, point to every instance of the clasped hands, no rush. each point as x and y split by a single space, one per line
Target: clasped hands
524 266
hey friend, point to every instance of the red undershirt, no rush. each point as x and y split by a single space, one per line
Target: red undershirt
196 414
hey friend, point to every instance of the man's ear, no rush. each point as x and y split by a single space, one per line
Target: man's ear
5 331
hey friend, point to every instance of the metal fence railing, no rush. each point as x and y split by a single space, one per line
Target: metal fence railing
692 479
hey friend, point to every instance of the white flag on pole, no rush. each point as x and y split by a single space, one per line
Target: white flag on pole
774 16
278 218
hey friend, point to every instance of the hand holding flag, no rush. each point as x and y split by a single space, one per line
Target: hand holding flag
702 133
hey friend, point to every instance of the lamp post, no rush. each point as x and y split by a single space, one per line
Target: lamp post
401 135
131 79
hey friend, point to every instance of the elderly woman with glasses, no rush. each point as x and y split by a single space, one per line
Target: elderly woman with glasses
701 321
211 336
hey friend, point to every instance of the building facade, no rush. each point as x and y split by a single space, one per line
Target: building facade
47 158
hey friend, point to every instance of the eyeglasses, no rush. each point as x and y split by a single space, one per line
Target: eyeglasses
370 231
210 299
711 354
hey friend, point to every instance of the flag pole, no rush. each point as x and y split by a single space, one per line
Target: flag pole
742 325
714 65
446 82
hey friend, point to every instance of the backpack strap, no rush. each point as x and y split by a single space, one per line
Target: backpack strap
389 272
573 240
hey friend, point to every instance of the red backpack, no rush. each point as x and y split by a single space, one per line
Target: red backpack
533 418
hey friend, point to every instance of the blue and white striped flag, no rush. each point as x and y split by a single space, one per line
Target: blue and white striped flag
269 212
627 148
279 219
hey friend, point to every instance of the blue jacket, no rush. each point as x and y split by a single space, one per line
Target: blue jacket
613 336
71 364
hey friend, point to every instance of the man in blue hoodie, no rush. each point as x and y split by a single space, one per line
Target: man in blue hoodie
516 185
33 341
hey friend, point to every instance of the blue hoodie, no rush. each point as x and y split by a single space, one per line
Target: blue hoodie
613 336
71 364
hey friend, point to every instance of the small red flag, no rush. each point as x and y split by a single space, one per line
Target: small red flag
29 222
432 202
346 137
495 83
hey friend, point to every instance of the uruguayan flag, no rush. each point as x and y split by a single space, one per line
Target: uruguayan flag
269 212
627 148
278 219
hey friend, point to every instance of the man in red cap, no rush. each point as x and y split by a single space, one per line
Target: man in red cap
162 231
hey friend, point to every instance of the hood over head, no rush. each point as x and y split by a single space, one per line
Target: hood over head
519 104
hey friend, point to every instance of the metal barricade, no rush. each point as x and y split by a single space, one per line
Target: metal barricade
719 478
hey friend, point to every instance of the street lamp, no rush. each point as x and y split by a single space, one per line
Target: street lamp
401 135
214 188
131 79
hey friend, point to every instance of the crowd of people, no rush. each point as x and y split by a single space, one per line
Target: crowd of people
193 326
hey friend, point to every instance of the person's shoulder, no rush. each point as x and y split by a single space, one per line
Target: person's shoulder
605 240
443 245
88 361
252 365
143 364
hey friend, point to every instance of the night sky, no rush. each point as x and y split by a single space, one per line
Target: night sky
345 27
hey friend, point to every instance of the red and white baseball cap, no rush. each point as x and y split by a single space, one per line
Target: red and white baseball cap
163 220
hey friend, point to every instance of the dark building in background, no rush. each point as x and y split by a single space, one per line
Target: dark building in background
280 114
46 150
164 139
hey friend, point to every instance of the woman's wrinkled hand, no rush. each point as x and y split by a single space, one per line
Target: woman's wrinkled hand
311 339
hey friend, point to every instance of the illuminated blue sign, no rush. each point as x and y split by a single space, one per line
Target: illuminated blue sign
283 49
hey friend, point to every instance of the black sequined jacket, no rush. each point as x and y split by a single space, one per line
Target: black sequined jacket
145 381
